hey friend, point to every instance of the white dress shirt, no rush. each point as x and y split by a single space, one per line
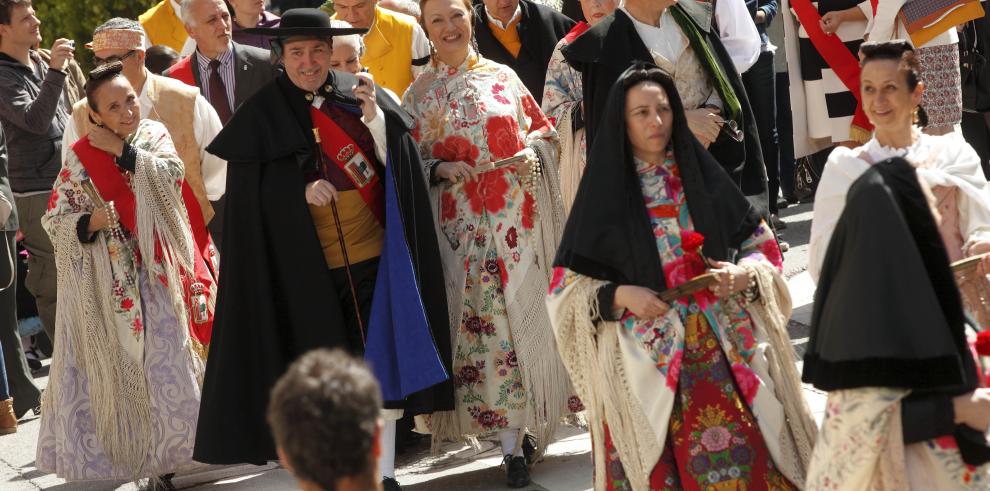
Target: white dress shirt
206 125
515 15
736 30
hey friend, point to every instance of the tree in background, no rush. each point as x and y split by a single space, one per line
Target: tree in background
76 19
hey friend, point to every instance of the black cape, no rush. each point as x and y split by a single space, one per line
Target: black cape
540 29
277 299
603 52
887 311
608 235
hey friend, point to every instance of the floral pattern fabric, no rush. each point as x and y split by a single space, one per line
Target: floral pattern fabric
562 94
477 113
704 348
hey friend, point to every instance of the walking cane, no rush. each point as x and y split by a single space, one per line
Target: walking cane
343 246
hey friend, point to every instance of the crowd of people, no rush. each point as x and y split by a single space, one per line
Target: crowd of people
261 233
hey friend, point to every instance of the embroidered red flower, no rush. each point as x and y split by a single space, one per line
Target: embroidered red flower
503 137
528 211
574 404
771 251
747 382
448 207
455 148
691 241
511 238
497 90
674 370
983 343
126 304
415 131
538 120
557 280
487 192
53 199
137 326
468 375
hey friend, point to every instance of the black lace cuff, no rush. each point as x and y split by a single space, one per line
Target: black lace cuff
128 158
82 229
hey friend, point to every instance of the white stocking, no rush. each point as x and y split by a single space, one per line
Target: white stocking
508 438
386 462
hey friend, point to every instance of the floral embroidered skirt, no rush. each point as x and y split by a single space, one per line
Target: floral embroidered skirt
713 441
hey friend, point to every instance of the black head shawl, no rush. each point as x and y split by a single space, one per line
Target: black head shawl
887 311
608 234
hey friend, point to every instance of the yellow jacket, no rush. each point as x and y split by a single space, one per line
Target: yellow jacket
163 26
388 50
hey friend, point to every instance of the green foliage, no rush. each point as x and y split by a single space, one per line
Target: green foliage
76 19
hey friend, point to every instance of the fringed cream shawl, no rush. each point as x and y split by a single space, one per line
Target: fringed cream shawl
861 447
621 383
99 298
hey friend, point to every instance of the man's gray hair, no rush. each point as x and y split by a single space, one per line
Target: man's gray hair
185 6
354 40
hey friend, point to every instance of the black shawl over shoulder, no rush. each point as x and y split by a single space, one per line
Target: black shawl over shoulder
887 310
611 46
277 299
608 234
540 29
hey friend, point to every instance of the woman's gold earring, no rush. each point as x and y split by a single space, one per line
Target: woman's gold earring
916 118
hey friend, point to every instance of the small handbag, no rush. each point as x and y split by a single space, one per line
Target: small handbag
807 173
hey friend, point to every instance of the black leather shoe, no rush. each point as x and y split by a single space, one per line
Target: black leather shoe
516 471
529 448
390 484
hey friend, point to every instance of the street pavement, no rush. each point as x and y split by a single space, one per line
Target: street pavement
567 466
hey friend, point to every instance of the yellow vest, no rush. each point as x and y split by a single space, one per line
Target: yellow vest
388 50
163 26
508 37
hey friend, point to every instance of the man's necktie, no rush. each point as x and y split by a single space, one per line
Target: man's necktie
218 93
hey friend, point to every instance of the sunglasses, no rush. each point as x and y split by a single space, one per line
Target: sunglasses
110 59
731 128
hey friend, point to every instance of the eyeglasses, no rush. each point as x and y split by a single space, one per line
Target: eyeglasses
110 59
731 128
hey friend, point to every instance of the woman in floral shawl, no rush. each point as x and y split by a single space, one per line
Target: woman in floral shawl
124 392
701 392
498 230
562 96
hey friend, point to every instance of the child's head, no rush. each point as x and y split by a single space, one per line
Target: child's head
325 417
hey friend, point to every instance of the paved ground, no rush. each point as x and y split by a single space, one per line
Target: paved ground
459 467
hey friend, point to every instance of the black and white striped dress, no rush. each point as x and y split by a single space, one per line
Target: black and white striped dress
829 104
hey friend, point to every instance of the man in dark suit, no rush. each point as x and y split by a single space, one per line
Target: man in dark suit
522 35
226 73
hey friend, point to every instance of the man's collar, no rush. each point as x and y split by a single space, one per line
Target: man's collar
177 8
515 15
224 57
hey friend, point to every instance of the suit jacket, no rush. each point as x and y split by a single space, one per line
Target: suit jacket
252 70
540 28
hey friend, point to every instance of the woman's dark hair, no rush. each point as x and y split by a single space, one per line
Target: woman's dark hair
643 73
159 58
100 76
896 50
907 63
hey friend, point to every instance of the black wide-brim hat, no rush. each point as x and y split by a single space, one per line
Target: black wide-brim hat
304 22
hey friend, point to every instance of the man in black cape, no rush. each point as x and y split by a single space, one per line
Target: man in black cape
536 27
280 292
606 50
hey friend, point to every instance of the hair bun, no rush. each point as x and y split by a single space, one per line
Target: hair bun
106 71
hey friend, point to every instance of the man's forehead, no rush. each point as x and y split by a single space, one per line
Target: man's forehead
106 53
353 3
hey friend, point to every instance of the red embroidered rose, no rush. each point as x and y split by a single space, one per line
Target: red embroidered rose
538 120
528 211
53 199
448 207
137 326
487 192
983 343
476 325
771 251
126 304
488 419
746 381
691 241
503 137
557 280
455 148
